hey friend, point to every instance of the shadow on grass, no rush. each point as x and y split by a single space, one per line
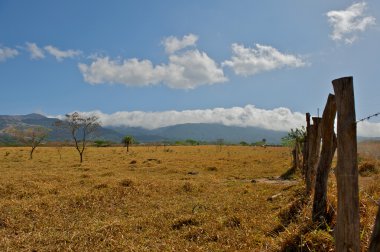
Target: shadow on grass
289 174
297 232
291 213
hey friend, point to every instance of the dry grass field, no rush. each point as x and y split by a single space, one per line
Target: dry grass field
160 199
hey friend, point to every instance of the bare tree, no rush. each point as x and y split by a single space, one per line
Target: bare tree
32 136
59 148
219 144
80 128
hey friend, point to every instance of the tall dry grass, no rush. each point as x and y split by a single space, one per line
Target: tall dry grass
196 198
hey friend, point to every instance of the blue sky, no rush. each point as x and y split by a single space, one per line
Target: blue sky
143 62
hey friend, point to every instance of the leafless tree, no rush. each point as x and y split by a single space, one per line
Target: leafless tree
80 127
59 148
219 144
32 136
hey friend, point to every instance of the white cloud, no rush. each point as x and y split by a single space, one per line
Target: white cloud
249 61
347 23
192 69
173 44
128 72
281 119
7 53
184 71
368 129
59 54
35 51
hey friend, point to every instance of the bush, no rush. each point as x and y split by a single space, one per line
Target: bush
101 143
367 169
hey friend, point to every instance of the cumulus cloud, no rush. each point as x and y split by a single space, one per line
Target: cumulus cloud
35 51
173 44
7 53
60 54
191 69
184 71
249 61
348 23
281 119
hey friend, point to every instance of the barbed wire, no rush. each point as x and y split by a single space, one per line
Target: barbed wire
368 117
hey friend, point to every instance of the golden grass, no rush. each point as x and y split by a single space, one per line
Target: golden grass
193 198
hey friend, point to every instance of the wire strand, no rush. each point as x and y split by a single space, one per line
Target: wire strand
368 117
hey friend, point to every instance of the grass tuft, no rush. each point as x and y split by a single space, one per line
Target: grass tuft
126 183
368 168
178 224
232 222
101 186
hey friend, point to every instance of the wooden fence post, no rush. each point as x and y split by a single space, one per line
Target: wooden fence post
374 246
347 236
306 145
296 156
297 149
325 160
313 155
294 159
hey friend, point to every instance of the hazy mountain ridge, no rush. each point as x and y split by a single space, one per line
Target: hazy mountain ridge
55 134
197 131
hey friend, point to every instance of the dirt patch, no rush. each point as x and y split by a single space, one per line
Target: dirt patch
276 180
270 180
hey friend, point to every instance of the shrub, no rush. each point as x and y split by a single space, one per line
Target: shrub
232 222
367 169
102 143
126 182
178 224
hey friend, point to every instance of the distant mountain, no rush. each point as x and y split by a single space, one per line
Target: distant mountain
204 132
55 134
365 139
196 131
140 134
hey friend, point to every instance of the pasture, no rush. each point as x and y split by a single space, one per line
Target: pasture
176 198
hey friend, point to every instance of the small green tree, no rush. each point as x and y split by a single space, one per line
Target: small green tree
264 140
243 143
295 139
191 142
295 136
127 140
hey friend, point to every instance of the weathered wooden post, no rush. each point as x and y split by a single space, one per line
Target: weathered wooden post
296 156
313 155
347 236
374 246
306 145
317 151
325 160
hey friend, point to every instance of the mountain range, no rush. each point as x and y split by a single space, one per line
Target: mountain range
196 131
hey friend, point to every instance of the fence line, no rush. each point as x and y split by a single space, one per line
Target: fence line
368 117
